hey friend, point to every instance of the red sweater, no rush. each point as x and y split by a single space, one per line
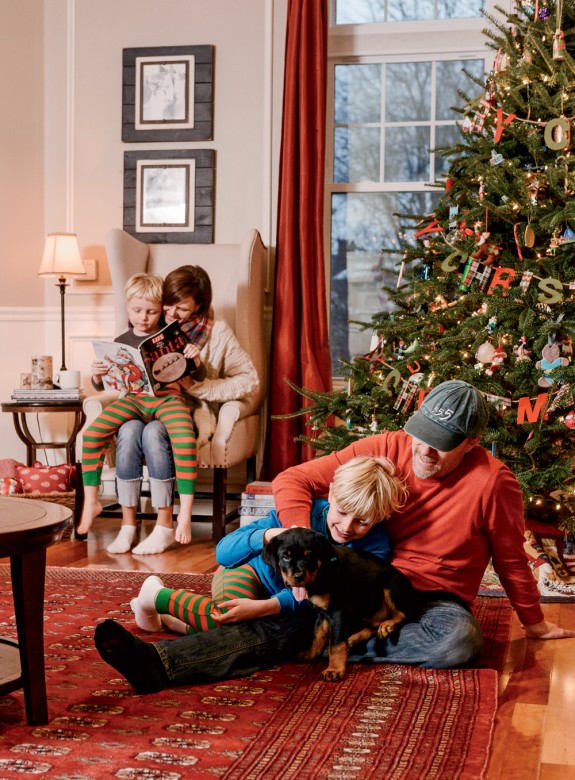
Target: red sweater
450 527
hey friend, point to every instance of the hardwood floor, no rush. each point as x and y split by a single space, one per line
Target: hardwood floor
533 736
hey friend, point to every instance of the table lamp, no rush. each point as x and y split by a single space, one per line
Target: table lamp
62 259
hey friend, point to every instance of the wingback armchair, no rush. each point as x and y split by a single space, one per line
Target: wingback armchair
237 273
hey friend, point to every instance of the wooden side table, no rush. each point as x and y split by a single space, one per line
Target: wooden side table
27 528
19 410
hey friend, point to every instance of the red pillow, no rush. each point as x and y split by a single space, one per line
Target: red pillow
46 479
8 468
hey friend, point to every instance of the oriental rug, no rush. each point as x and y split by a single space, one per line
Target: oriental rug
384 722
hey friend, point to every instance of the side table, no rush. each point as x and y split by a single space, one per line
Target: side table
19 410
27 528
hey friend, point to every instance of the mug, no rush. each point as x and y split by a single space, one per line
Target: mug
26 381
67 380
41 372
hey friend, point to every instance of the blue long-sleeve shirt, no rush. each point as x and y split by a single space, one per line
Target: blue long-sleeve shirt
245 545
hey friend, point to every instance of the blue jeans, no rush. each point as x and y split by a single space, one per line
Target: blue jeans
446 636
136 442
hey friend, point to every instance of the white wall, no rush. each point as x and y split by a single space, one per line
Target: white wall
62 155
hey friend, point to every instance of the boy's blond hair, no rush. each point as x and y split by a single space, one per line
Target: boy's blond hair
366 488
150 287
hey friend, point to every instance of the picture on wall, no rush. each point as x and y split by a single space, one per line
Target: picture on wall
169 196
167 94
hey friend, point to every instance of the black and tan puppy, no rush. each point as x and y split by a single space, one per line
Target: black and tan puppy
356 593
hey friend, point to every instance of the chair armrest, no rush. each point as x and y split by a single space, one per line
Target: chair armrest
94 404
230 412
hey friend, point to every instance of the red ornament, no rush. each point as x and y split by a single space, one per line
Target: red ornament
570 419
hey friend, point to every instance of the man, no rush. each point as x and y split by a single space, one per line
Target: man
464 507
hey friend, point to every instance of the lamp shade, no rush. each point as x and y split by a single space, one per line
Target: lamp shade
61 256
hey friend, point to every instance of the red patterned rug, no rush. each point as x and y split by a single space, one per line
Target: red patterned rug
382 722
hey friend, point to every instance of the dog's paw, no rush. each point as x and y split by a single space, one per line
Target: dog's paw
332 675
307 655
386 629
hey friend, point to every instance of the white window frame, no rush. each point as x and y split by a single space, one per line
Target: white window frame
392 42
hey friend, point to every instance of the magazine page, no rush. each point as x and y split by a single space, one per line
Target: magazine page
163 356
126 373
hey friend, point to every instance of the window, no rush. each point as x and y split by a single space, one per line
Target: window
390 105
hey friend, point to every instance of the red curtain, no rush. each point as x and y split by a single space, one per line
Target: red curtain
300 335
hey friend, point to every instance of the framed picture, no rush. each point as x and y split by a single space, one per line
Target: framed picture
167 94
169 196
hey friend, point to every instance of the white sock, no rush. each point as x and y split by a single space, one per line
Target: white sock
144 606
174 624
123 542
158 541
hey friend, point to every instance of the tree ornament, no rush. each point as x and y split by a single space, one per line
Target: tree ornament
529 237
520 350
485 353
557 134
551 360
499 356
558 45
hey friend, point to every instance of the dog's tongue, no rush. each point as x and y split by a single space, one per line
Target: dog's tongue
299 593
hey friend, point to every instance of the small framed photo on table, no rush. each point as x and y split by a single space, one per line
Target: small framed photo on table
169 196
167 94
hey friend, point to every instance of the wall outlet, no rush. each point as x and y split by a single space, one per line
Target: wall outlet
91 266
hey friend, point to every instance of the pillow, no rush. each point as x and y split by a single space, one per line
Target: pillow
46 479
8 468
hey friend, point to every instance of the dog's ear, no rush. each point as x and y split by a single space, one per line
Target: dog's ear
270 552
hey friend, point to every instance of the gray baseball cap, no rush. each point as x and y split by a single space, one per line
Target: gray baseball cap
450 413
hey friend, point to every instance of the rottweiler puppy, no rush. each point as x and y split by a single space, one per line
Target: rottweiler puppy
356 593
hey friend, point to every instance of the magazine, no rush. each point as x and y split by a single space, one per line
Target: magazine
158 363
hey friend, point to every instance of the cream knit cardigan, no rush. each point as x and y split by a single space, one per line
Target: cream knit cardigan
230 376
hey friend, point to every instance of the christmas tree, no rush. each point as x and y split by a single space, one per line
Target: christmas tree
486 285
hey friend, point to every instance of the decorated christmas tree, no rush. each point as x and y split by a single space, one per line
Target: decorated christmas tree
486 285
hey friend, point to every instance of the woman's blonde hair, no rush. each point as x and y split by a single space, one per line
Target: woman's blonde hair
150 287
366 488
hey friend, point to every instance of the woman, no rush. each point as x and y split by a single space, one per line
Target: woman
229 375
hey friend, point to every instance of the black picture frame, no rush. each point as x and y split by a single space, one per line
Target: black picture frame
167 94
169 196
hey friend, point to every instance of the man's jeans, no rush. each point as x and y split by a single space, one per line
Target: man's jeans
137 441
447 636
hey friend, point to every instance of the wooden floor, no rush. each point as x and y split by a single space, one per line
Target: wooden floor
534 737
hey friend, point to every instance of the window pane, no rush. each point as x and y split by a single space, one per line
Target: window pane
359 11
375 11
409 10
450 77
445 135
357 93
407 154
356 154
459 9
361 225
408 92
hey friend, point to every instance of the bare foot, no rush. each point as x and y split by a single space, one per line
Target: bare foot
184 530
90 511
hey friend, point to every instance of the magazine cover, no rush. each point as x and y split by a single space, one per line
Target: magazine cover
159 362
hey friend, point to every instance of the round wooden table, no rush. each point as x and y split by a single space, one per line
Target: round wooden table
27 528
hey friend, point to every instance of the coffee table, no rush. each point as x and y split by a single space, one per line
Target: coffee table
27 528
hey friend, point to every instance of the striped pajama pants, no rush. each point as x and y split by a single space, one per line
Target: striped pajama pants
239 583
170 410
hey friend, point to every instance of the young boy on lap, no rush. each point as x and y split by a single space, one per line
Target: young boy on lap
144 306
